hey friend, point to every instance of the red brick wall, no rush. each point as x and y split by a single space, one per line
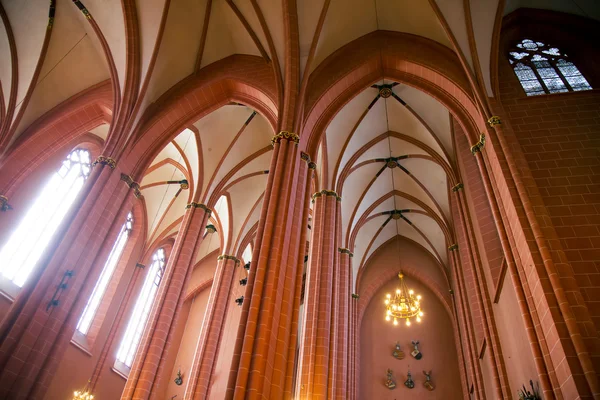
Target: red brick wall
560 137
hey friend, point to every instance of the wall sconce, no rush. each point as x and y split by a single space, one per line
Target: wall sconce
239 301
179 378
244 282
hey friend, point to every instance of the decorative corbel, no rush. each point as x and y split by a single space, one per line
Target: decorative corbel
476 148
4 206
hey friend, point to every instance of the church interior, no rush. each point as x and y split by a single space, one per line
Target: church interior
299 199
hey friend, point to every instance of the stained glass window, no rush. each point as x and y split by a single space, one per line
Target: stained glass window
542 69
25 246
141 311
102 284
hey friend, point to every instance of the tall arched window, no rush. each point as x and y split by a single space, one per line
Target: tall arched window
141 311
111 264
542 69
27 243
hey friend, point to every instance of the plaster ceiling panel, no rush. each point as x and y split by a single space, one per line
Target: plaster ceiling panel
164 173
373 125
150 15
255 136
397 203
320 165
260 163
309 12
178 47
433 177
175 210
380 187
346 21
157 200
584 8
402 148
416 17
186 140
354 187
226 35
365 236
245 7
453 13
217 130
28 21
5 64
387 205
221 211
483 15
406 184
342 124
169 151
244 196
108 14
432 232
101 131
79 68
433 113
406 230
273 12
252 219
401 120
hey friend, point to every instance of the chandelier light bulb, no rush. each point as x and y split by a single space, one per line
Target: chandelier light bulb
387 317
418 319
411 292
420 313
387 302
395 321
419 297
407 322
389 296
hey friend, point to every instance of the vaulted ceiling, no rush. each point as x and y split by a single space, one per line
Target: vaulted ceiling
144 48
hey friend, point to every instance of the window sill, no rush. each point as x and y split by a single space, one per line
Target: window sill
543 97
80 341
121 369
8 289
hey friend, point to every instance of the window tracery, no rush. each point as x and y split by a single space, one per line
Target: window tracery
25 246
95 299
543 69
141 311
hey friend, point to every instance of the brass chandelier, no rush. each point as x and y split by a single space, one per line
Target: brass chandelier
403 305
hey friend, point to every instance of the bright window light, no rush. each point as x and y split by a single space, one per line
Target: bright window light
141 311
93 303
27 243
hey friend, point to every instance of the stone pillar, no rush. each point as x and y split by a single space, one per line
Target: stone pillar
354 347
314 367
38 327
342 289
155 343
263 362
205 356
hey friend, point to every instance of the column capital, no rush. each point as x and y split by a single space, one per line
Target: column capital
494 120
132 185
228 257
140 265
355 296
102 160
211 228
4 206
476 148
458 187
344 250
305 157
326 193
453 247
199 205
291 136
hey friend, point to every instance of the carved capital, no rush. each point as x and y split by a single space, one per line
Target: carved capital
4 206
82 8
290 136
458 187
453 247
355 296
199 205
133 185
211 228
344 250
105 161
494 120
140 265
228 257
476 148
312 165
326 193
304 157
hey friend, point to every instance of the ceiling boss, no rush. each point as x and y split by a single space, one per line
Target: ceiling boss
403 304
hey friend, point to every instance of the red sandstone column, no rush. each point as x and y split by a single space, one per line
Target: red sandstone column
262 366
35 332
205 357
314 366
342 325
156 340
